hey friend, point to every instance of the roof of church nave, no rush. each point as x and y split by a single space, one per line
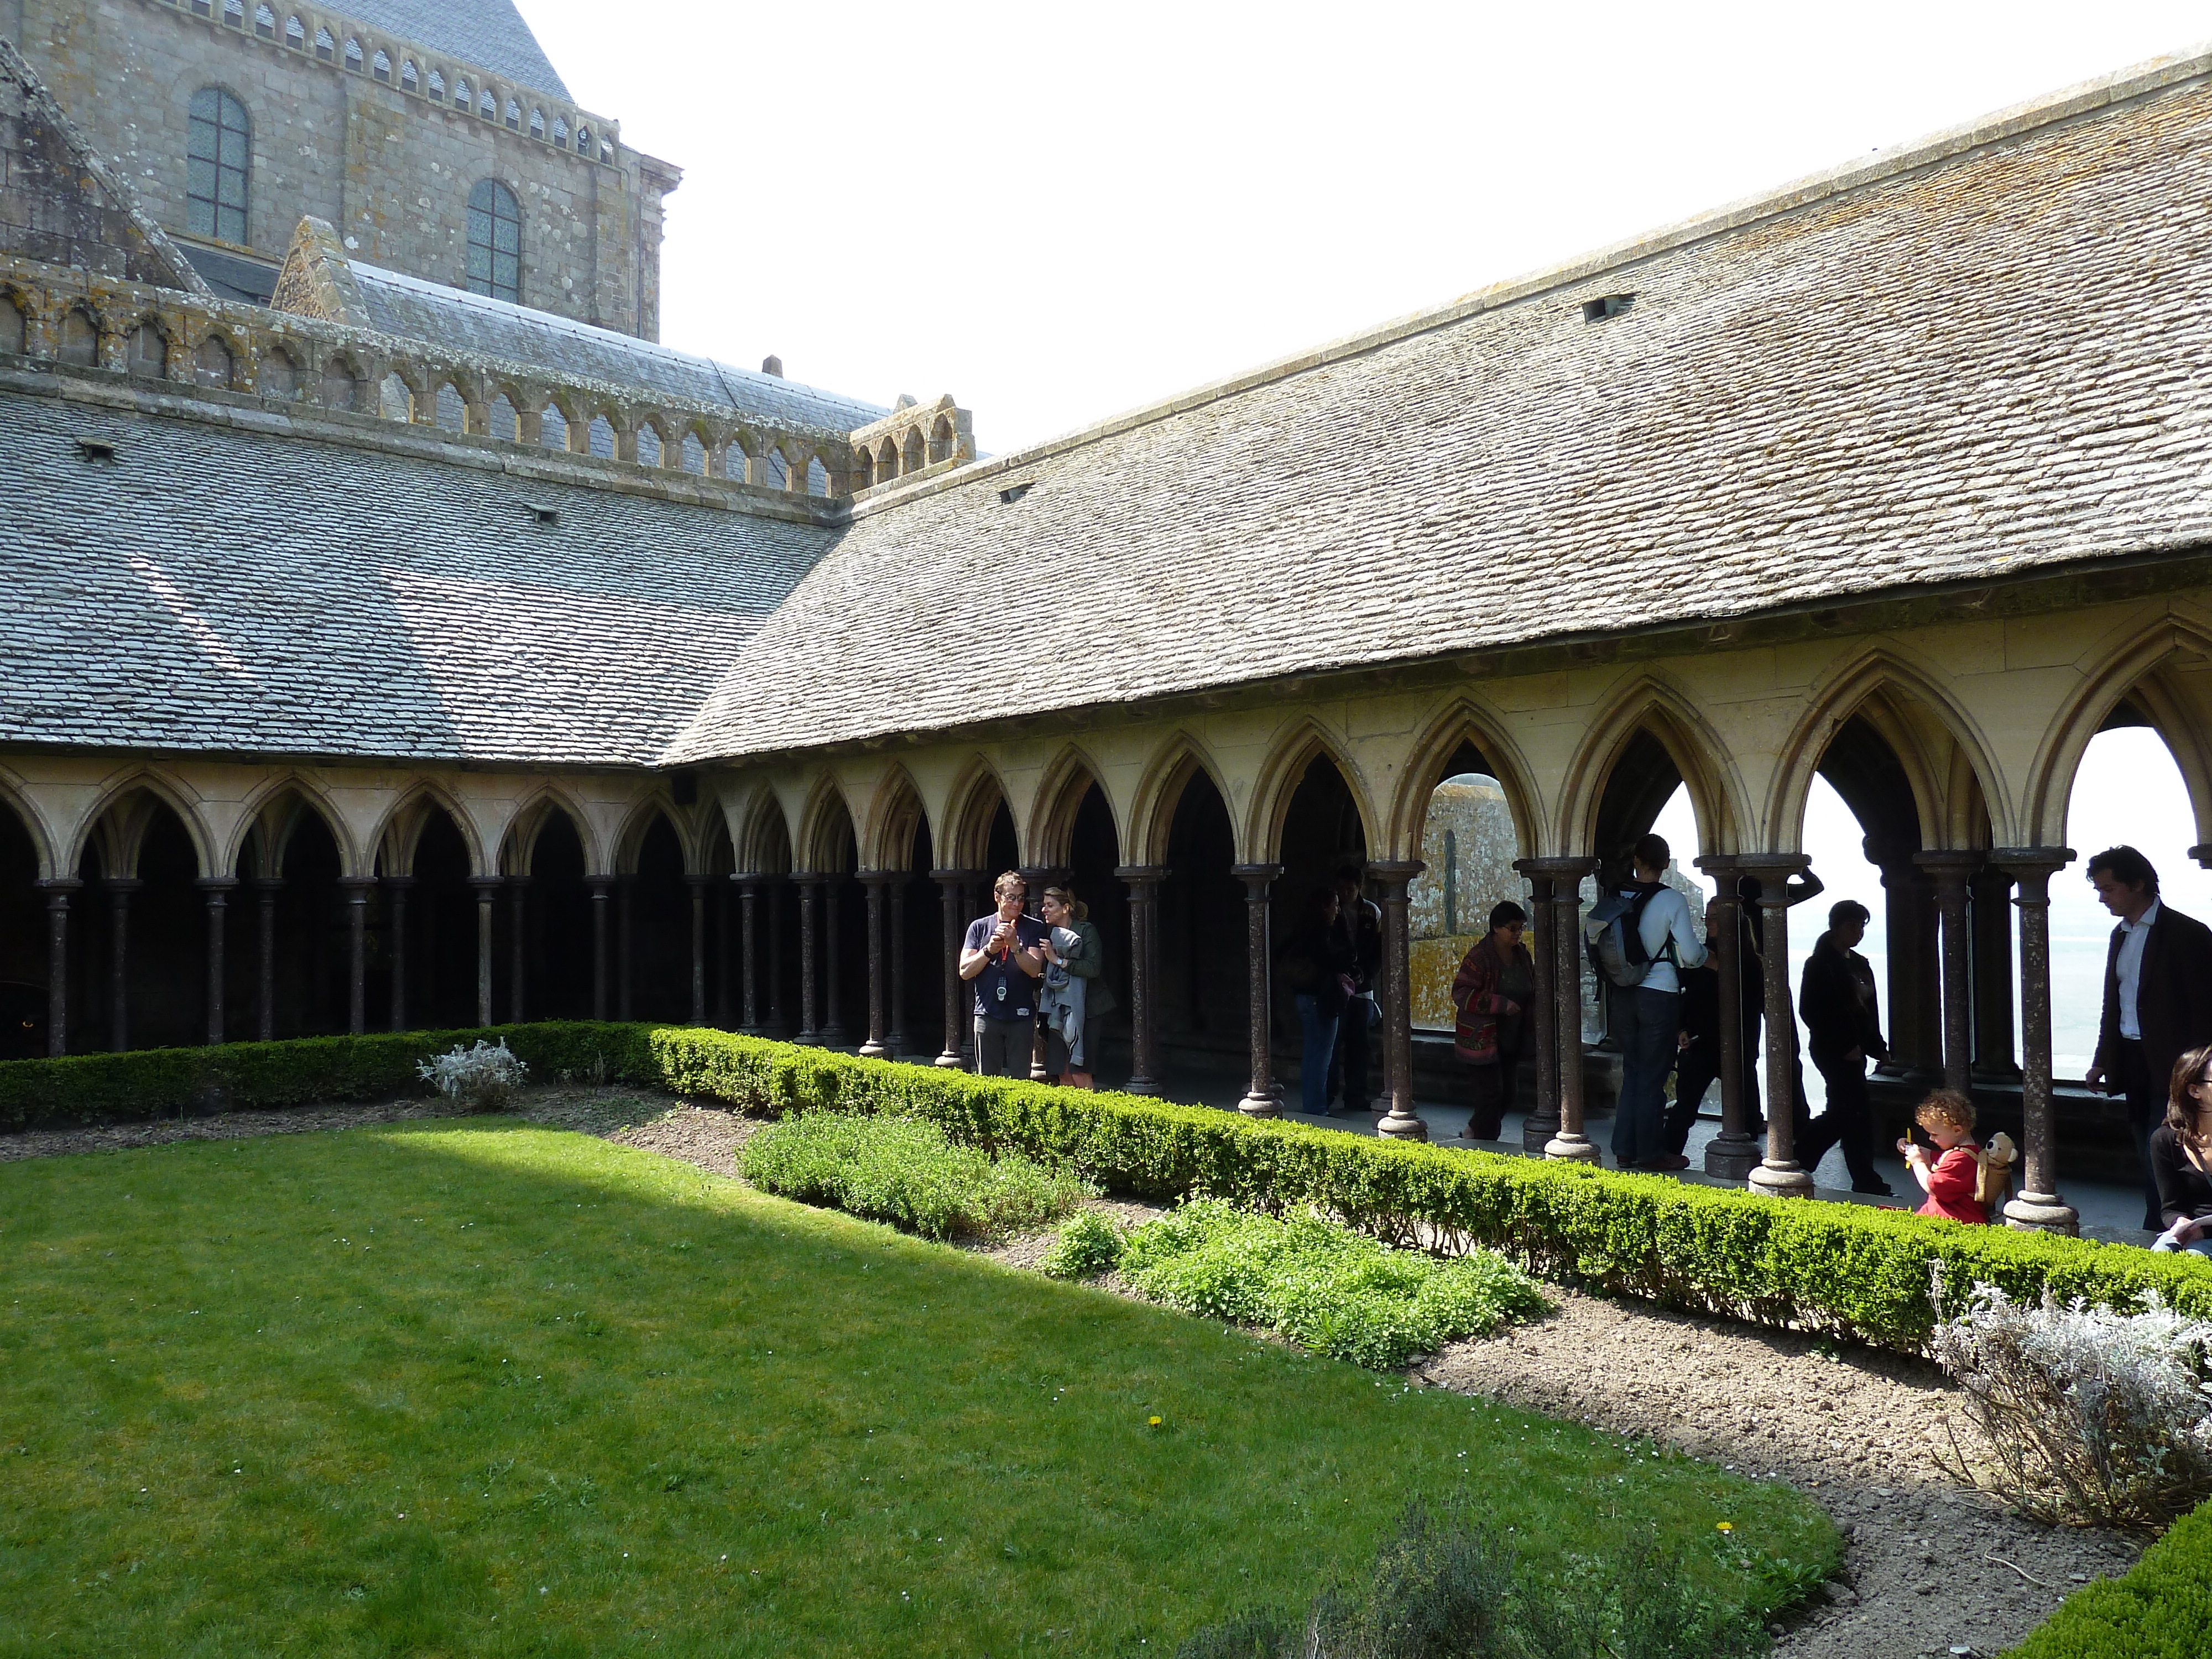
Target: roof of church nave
490 34
1988 354
216 588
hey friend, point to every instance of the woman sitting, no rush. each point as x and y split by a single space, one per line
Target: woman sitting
2178 1160
1951 1171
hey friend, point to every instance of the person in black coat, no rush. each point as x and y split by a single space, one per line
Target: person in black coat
2158 999
1837 1000
2181 1157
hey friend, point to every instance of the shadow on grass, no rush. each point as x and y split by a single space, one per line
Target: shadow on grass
469 1385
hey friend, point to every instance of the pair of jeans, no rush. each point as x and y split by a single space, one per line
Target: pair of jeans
2146 1111
1646 1023
1848 1122
1349 1066
1005 1048
1490 1090
1317 1041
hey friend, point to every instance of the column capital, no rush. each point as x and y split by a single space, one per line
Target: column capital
1570 869
1955 862
754 880
1141 874
515 881
950 873
60 887
1769 863
1255 875
1720 865
2032 861
121 883
1395 875
486 885
397 883
879 878
690 879
356 887
214 886
2203 854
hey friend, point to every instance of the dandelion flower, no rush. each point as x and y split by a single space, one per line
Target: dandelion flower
1154 1423
1724 1526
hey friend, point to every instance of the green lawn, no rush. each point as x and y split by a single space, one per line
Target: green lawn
477 1388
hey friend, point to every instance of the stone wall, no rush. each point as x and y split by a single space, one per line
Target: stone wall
389 167
1469 844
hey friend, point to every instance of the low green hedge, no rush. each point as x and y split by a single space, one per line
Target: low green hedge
1843 1269
2162 1609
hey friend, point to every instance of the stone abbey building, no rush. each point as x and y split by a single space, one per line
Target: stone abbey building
426 646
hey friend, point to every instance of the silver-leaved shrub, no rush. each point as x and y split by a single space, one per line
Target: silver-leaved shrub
484 1078
2088 1414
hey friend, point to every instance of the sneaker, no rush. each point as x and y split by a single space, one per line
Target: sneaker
1876 1189
1672 1161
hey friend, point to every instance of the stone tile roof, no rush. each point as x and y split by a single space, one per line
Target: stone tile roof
215 588
394 303
490 34
1990 353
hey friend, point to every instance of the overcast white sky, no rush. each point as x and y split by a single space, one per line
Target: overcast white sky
1056 214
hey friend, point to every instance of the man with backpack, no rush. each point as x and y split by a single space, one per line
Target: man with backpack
1642 937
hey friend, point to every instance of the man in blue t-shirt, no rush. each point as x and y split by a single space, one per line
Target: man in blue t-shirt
1000 956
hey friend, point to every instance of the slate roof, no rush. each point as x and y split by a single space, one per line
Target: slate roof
460 321
490 34
1987 356
309 599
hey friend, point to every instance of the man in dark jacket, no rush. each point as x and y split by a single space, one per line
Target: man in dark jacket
1836 999
2158 999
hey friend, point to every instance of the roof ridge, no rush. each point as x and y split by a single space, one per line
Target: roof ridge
2052 109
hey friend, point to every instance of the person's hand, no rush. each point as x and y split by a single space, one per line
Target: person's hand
1051 952
1510 1008
2095 1078
1682 1040
1002 937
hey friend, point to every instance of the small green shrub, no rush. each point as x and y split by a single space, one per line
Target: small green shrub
2161 1610
1088 1245
1322 1284
904 1171
1448 1585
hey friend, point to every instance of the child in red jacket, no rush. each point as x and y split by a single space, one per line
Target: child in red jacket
1950 1171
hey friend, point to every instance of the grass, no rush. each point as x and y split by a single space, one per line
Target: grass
470 1387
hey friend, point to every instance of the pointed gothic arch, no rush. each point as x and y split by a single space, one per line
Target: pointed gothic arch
1620 776
393 841
895 812
973 802
1053 809
1151 814
2162 673
269 815
1459 724
162 788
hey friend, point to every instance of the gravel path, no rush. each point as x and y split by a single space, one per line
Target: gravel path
1932 1569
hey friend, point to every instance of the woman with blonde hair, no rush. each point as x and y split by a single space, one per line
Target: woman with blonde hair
1076 996
2181 1157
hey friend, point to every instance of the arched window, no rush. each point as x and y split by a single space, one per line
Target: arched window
583 141
537 124
514 115
409 81
215 166
265 22
325 44
437 83
296 34
561 132
380 66
494 241
353 56
461 92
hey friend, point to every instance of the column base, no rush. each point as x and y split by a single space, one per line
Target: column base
1575 1148
875 1051
949 1060
1537 1133
2043 1212
1141 1086
1781 1181
1402 1125
1731 1158
1259 1106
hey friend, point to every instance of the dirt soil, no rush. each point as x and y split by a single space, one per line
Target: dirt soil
1933 1569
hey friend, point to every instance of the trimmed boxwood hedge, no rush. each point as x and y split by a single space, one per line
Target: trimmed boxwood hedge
2161 1610
1838 1269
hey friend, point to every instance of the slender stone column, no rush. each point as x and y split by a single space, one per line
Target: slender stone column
1913 1005
895 896
58 892
953 884
1401 1121
119 890
749 894
1144 884
810 954
722 952
355 892
1543 1121
1951 871
1780 1176
772 896
698 886
1259 1099
625 957
875 882
598 949
217 889
518 919
1733 1153
486 889
1036 878
396 889
832 1034
265 889
1560 941
1992 891
2037 1205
